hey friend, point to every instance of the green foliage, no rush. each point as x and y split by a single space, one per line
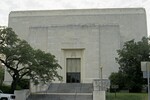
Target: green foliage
44 67
130 57
118 78
22 60
24 84
5 88
1 75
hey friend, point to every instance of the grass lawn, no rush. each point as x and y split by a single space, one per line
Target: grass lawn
126 96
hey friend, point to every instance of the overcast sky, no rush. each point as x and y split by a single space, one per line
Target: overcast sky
14 5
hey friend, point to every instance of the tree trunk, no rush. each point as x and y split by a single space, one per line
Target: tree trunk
14 83
13 86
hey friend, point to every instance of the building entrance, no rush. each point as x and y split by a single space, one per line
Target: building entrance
73 66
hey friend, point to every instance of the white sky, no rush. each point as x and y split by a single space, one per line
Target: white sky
13 5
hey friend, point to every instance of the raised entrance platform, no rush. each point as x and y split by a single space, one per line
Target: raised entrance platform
65 91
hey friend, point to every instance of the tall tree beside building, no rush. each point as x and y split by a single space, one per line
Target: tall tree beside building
130 57
21 60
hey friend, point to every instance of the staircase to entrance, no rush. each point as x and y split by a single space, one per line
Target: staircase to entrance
65 91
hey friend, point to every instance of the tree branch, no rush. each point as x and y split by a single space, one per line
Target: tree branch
22 69
17 65
7 65
12 59
23 75
7 58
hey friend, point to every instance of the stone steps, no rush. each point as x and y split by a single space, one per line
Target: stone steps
59 97
70 88
65 91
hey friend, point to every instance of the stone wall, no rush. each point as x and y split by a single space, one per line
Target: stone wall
98 33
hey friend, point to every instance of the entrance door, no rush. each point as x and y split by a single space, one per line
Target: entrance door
73 70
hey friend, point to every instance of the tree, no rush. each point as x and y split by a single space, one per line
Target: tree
21 60
130 57
117 78
1 75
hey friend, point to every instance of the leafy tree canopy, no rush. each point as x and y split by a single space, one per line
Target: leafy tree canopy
130 57
117 78
22 60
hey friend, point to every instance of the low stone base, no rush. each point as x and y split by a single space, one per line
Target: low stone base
99 95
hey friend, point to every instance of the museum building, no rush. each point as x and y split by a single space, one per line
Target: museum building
84 41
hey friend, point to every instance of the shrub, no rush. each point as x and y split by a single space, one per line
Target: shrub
24 84
5 88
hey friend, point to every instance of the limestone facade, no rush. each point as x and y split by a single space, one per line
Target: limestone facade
90 35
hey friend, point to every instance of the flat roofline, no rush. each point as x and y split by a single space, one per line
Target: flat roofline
77 12
72 48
